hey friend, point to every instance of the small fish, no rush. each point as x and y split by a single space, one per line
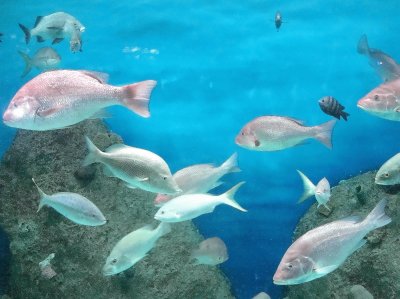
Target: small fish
389 173
44 59
61 98
133 247
73 206
199 178
323 249
386 67
262 295
190 206
383 101
278 20
332 107
56 27
1 34
322 191
212 251
274 133
137 167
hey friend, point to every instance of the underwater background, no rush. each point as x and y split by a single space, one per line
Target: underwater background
218 65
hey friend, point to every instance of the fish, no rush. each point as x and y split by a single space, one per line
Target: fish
56 27
45 58
386 67
211 251
332 107
61 98
322 191
274 133
138 168
389 172
278 20
383 101
189 206
133 247
1 34
323 249
262 295
73 206
199 178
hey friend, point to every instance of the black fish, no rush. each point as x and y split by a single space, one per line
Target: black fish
278 20
332 107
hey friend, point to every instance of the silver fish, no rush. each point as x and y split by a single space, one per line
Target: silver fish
322 191
73 206
137 167
274 133
58 99
44 59
56 27
189 206
133 247
199 178
323 249
386 67
278 20
211 251
389 172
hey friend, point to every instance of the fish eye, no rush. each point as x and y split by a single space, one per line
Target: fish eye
164 178
376 97
15 105
386 174
257 143
162 212
242 133
114 261
289 266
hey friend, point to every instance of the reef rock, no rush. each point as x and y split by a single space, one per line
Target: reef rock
359 292
374 266
53 158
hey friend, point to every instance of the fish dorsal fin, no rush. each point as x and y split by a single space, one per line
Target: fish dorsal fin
115 147
101 77
297 121
38 19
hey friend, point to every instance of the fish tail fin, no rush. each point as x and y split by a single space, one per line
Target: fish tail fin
362 46
309 187
164 228
324 133
28 63
377 217
42 196
93 154
27 33
344 115
136 97
230 165
228 197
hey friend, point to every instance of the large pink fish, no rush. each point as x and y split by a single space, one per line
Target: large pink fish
58 99
274 133
383 101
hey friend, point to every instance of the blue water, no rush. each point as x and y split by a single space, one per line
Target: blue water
220 64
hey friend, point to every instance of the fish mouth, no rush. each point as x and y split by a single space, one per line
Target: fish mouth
279 282
108 272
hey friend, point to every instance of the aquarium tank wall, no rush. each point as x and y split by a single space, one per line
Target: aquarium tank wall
217 67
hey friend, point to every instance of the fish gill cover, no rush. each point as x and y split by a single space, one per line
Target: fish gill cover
218 66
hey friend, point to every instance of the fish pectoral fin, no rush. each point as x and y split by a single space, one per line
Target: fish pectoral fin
43 112
103 113
54 28
57 40
325 270
39 39
142 179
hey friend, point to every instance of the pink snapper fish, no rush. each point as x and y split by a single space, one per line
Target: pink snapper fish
383 101
61 98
